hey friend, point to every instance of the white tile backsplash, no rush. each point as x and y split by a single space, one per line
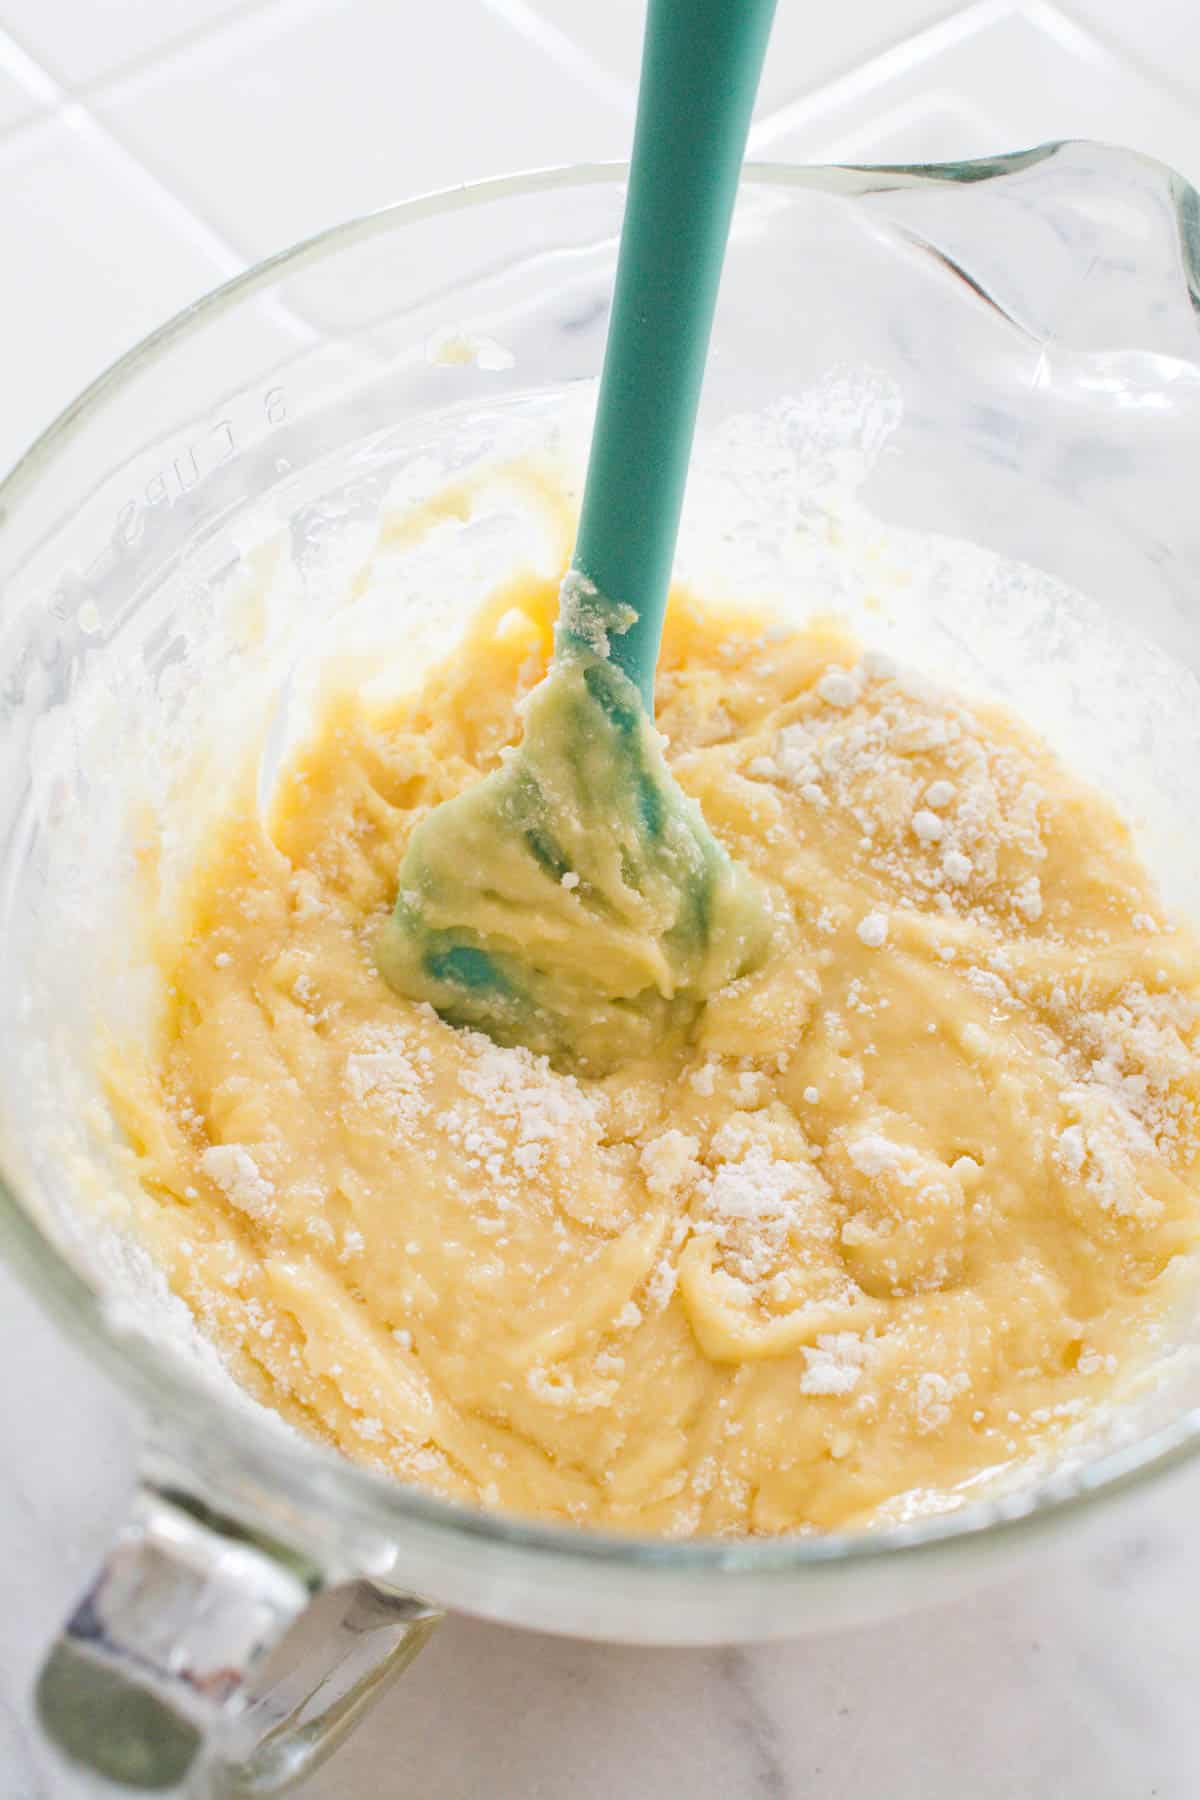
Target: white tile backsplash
260 122
309 111
995 80
80 41
96 261
810 45
937 126
1161 37
25 89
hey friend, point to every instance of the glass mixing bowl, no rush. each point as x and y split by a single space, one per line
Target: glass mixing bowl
1003 354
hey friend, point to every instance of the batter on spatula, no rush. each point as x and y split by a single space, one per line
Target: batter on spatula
898 1208
575 901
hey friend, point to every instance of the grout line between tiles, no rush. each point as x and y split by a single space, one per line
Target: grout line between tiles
530 24
1072 34
517 16
27 71
251 18
61 105
179 43
62 108
248 22
1081 38
959 27
230 259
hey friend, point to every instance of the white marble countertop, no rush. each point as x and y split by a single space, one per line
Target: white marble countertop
132 178
1068 1680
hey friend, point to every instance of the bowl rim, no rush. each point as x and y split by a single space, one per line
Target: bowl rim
306 1472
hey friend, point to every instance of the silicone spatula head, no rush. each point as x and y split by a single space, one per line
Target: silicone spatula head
575 900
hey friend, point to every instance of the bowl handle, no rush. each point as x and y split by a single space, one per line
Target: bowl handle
207 1660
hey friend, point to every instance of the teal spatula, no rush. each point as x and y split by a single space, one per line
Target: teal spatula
575 901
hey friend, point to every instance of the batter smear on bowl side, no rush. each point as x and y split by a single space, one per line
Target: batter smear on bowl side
895 1211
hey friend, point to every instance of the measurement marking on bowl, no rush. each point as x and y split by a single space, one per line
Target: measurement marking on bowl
217 445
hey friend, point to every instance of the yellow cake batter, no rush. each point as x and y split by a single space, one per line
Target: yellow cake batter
913 1196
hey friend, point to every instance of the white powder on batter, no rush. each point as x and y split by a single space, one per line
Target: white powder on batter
834 1365
237 1174
872 930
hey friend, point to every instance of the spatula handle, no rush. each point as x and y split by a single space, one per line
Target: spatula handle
701 63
